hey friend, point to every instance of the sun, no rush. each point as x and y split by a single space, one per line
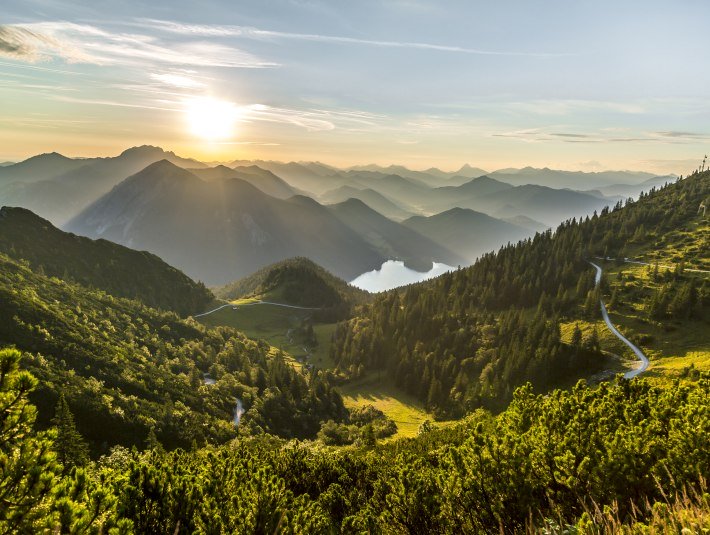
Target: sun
211 119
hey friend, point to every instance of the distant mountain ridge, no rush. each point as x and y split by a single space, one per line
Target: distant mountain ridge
469 233
397 241
263 179
58 187
375 200
569 179
490 196
75 184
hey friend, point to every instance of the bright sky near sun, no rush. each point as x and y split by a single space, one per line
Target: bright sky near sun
584 84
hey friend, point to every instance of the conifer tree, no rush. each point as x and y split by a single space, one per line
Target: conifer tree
70 446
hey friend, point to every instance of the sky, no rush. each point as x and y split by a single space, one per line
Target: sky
586 85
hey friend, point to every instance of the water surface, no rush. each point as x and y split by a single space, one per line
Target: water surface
394 273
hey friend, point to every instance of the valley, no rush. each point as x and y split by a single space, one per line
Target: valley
397 267
292 364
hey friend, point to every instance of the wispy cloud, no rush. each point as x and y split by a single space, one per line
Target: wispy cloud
167 106
574 136
608 135
178 80
256 33
310 119
83 43
683 135
570 106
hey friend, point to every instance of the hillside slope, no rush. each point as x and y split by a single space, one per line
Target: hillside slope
98 264
296 281
126 369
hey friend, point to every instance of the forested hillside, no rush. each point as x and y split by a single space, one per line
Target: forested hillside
622 456
98 264
298 281
467 338
125 368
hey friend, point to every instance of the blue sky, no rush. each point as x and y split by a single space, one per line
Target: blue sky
565 84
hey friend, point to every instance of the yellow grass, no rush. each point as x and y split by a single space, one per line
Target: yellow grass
407 412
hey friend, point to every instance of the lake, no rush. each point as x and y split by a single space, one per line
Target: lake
394 273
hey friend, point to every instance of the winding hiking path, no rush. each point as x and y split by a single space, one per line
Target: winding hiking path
644 360
252 304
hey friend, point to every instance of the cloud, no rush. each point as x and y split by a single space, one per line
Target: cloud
310 120
569 106
180 81
682 135
256 33
166 106
607 135
82 43
313 120
591 164
25 44
582 136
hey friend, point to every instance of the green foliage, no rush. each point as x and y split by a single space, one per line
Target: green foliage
34 497
367 424
615 448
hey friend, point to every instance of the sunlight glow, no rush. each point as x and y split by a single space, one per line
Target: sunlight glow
211 119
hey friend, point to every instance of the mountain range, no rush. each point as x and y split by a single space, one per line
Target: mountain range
370 197
58 188
221 230
249 214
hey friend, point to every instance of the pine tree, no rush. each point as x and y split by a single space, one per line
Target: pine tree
27 466
367 436
576 336
70 446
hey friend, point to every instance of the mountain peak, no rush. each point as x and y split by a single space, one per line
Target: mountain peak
162 165
145 150
47 156
158 172
355 204
17 213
